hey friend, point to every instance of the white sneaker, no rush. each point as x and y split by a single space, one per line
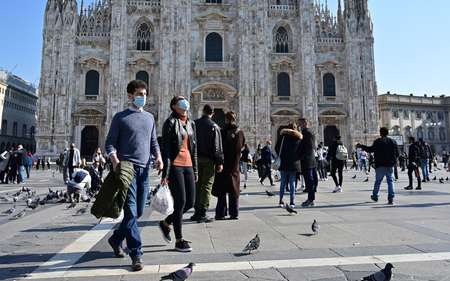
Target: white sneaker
337 189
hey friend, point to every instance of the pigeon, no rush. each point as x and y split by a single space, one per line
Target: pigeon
72 205
270 194
446 179
181 274
10 211
366 180
29 201
15 199
33 205
19 215
434 178
315 227
382 275
441 180
82 210
354 177
252 245
43 202
290 210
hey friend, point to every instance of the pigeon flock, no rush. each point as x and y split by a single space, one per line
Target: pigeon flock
33 201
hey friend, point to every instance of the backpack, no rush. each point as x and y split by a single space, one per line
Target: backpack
341 152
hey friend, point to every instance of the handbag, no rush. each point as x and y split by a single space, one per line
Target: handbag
277 163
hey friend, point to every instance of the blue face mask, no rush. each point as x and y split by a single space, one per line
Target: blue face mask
139 101
183 104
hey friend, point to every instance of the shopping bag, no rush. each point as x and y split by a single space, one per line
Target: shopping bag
162 201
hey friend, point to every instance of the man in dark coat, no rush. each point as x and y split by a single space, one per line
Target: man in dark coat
386 154
210 159
266 159
413 166
308 162
228 181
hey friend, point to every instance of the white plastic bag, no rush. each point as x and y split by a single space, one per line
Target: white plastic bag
162 201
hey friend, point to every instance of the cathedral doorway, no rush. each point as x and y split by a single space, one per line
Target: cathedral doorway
219 117
89 142
329 133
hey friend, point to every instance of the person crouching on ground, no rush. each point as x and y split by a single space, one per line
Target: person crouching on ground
228 181
386 153
80 182
179 150
287 143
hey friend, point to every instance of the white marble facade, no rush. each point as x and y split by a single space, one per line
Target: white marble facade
271 61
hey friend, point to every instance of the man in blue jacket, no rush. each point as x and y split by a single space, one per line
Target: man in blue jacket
132 137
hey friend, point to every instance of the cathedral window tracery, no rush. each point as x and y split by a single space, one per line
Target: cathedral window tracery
282 40
329 85
144 37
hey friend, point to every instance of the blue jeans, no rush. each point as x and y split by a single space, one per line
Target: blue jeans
424 166
288 178
380 173
21 174
133 209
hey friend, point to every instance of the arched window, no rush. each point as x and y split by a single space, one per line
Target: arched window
419 133
283 84
15 129
442 134
4 127
32 132
143 37
431 134
329 85
213 47
282 41
143 76
92 83
24 130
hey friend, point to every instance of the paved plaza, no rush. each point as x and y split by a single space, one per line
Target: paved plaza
357 237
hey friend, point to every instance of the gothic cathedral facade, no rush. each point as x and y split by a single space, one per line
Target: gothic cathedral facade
270 61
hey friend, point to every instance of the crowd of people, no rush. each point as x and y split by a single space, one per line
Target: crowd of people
198 159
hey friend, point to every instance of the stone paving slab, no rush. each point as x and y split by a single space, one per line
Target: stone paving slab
350 226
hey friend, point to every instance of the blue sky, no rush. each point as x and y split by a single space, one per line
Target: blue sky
412 42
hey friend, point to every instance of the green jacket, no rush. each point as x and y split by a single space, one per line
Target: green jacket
113 192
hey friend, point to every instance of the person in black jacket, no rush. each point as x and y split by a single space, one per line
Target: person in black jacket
386 154
266 159
308 162
413 166
210 160
425 158
336 164
288 141
179 153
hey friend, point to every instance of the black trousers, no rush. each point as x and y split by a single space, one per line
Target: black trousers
182 188
414 169
322 169
337 165
311 182
267 173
